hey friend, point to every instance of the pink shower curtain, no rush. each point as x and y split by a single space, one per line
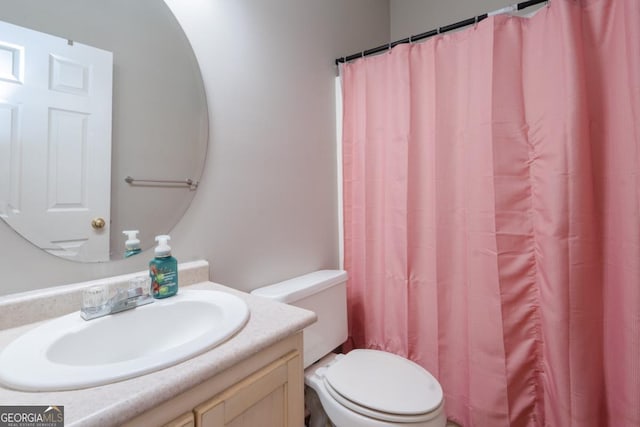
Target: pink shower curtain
492 228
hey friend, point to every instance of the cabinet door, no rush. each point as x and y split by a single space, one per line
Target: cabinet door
185 420
270 397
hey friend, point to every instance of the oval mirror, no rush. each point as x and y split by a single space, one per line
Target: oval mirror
103 123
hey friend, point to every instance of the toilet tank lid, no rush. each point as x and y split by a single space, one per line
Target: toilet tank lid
300 287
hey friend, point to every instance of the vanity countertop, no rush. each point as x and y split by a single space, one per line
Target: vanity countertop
113 404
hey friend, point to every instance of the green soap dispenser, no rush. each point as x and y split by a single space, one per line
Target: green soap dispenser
163 270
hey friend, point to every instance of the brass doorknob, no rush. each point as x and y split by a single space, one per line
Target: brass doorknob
98 223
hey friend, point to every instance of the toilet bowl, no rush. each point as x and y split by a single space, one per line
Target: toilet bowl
370 388
363 388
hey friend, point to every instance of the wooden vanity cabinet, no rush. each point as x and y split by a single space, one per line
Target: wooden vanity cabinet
265 390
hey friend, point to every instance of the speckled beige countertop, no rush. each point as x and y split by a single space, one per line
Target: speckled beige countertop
113 404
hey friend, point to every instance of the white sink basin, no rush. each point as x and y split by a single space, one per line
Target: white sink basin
70 353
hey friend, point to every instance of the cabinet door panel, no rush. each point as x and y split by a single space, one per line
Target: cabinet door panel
185 420
211 417
255 391
266 398
268 412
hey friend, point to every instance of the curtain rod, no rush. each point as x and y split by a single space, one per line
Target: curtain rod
440 30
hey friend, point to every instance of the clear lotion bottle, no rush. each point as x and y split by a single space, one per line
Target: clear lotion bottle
163 270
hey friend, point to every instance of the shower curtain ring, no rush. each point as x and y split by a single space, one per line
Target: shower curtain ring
410 39
475 24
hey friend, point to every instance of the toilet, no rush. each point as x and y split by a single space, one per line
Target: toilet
363 388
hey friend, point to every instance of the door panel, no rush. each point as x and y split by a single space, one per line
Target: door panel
56 172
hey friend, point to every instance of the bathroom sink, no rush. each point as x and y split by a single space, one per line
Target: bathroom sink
69 353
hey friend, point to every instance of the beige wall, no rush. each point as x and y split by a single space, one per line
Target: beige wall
266 208
410 17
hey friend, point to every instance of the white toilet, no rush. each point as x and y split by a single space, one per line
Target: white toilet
364 388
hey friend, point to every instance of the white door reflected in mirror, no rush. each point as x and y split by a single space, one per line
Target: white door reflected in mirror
55 141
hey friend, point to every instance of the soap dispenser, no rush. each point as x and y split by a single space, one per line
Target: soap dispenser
132 245
163 270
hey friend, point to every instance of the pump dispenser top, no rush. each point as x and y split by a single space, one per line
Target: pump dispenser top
163 249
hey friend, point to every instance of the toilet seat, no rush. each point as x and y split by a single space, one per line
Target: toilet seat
384 386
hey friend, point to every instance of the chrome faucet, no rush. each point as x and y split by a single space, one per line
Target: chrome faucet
96 302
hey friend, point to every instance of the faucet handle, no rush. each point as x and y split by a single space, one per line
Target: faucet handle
118 291
139 286
93 297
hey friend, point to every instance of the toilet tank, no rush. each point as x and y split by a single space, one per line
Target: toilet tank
323 292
